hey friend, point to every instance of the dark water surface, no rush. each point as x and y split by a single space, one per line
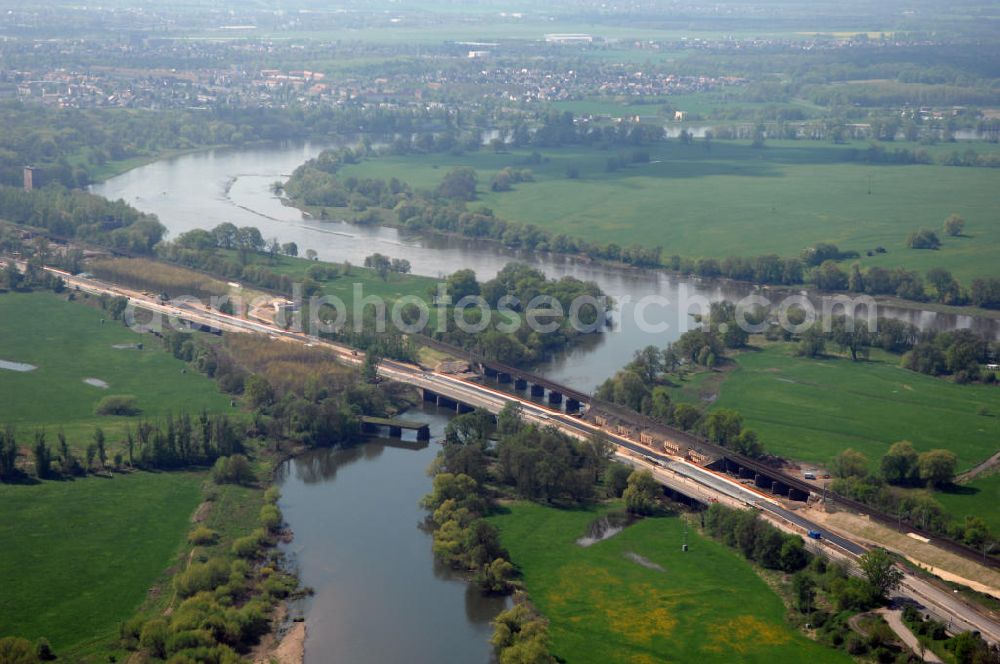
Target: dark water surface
380 595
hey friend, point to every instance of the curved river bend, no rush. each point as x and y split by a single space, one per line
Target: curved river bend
358 542
204 189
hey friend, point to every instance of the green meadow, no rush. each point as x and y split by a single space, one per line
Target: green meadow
68 343
980 497
732 199
80 556
390 289
705 605
811 409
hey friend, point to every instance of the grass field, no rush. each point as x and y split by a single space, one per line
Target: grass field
810 409
80 556
979 497
736 200
390 289
706 605
67 343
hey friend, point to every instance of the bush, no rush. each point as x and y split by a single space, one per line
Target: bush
117 404
129 632
15 650
43 650
270 517
201 576
249 546
202 536
234 469
855 644
923 239
153 637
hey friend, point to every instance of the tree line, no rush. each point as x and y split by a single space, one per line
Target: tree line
447 210
75 214
903 467
171 443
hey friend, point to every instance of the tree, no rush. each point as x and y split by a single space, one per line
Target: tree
723 426
804 591
828 276
380 263
616 479
99 443
496 577
311 255
648 363
641 492
459 184
899 465
945 286
954 225
923 239
12 276
258 391
400 265
880 572
850 334
249 240
290 249
629 390
225 235
509 419
43 456
937 467
812 343
850 463
8 453
462 283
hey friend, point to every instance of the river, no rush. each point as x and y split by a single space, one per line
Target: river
204 189
380 595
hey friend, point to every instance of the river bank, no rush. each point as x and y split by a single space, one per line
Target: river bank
190 192
816 295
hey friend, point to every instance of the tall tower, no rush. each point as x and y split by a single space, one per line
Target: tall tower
29 178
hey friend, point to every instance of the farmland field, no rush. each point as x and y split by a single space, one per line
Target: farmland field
68 343
705 605
733 199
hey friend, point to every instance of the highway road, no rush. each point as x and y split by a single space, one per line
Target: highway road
673 471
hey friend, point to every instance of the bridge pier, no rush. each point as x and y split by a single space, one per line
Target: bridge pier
445 402
520 384
537 390
430 396
572 405
463 408
797 494
489 372
555 398
424 433
504 377
395 432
